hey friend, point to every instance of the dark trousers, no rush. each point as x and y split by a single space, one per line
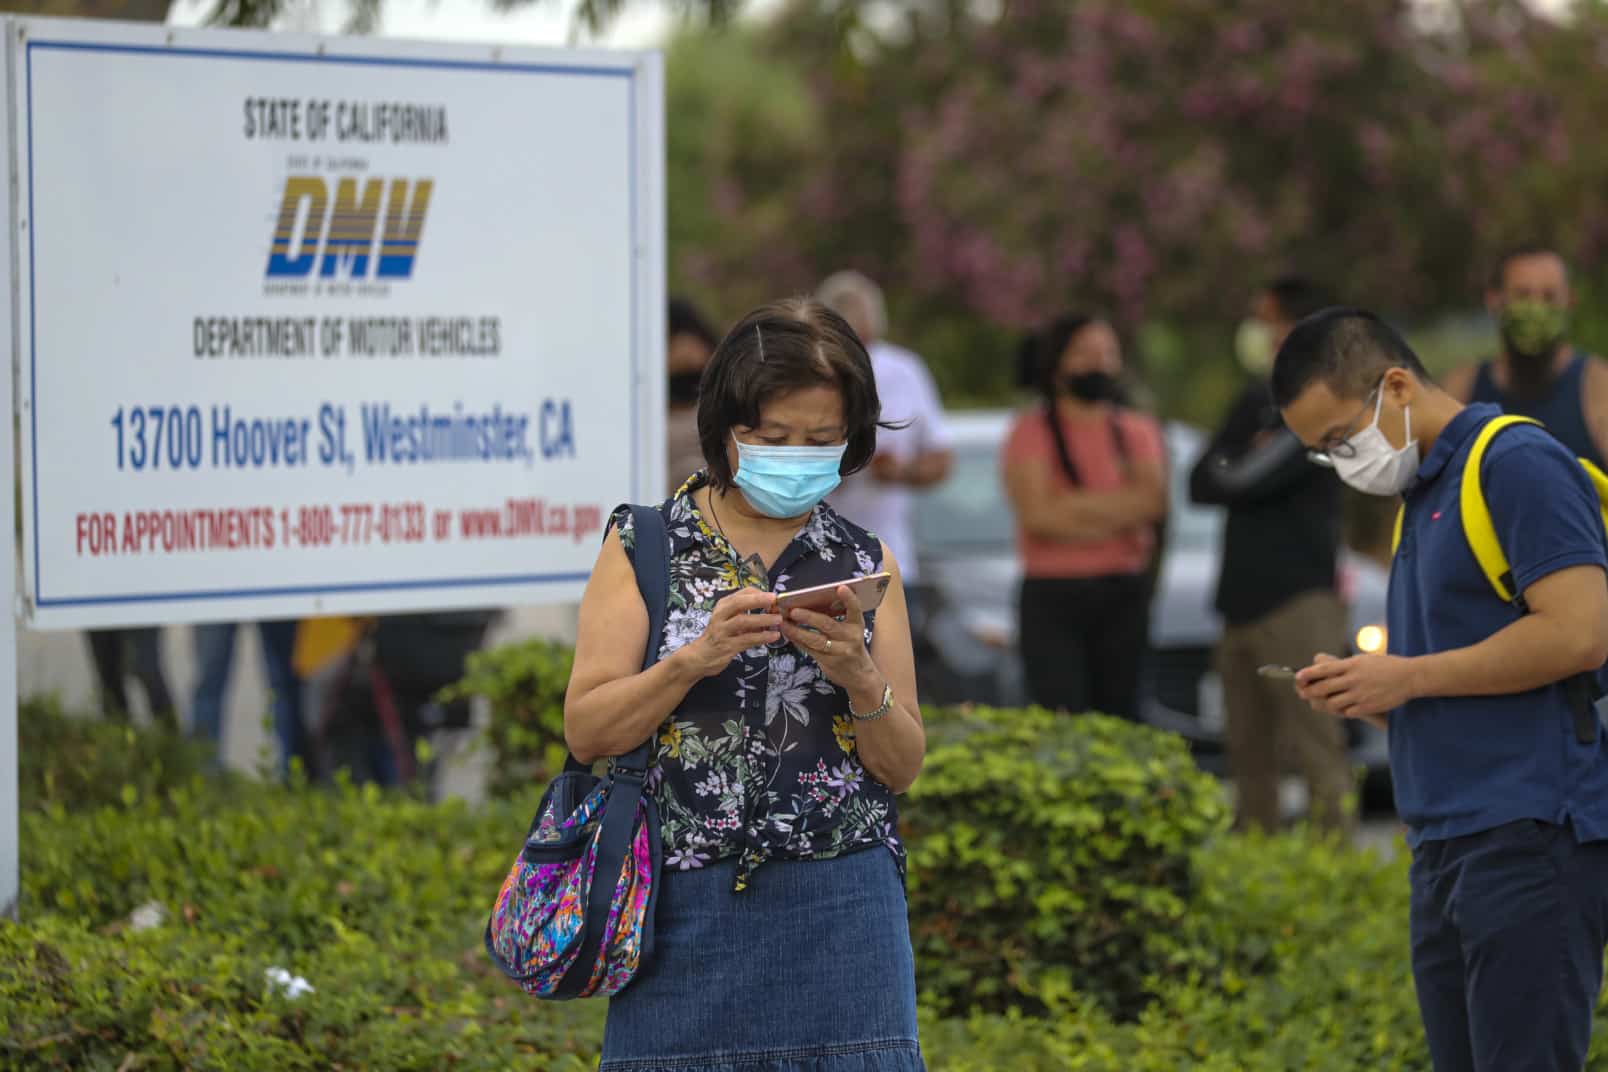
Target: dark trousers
1508 932
1083 641
110 649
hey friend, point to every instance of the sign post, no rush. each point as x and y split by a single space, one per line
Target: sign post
10 876
319 326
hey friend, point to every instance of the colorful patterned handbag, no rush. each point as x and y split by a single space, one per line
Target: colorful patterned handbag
575 915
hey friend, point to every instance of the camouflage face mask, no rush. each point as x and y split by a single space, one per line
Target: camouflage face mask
1533 328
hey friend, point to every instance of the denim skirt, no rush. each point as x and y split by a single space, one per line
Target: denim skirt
808 970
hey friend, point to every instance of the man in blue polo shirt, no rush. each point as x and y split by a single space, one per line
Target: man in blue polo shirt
1500 769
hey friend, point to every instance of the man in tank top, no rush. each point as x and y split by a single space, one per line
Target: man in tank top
1538 373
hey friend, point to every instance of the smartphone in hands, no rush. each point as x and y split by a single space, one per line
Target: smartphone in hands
823 599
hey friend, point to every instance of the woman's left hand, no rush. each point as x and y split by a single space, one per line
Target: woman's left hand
837 646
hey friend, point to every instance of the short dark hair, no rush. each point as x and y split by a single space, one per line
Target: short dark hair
1517 253
686 319
777 349
1348 350
1298 297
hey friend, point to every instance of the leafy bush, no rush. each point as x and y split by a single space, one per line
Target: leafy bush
79 763
1310 943
1034 839
1046 848
383 898
524 684
378 900
179 998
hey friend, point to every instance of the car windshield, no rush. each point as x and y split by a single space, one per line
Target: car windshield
969 510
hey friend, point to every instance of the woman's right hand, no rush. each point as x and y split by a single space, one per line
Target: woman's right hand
746 618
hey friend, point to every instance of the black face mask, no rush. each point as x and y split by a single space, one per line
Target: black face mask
684 388
1090 386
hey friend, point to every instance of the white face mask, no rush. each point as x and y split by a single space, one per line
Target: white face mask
1372 465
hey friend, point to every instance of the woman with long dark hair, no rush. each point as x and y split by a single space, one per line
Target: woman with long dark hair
1087 481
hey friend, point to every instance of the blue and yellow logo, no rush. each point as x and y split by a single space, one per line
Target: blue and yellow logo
340 244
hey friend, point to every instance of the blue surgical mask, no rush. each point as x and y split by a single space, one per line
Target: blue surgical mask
783 482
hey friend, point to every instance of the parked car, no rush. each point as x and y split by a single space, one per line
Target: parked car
965 634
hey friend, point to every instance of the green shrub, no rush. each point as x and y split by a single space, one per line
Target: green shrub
1033 839
180 998
378 899
524 685
78 763
1309 943
1047 848
293 870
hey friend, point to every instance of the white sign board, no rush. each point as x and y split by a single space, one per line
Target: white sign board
313 326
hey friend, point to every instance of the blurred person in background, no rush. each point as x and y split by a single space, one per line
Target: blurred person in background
214 655
1087 483
1537 372
1277 587
913 451
110 649
690 343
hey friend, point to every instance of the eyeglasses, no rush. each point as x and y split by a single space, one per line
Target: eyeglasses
1341 448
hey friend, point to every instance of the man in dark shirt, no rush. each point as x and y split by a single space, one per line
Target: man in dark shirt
1499 763
1538 373
1276 591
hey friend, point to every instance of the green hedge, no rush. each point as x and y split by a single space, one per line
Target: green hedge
1259 954
1049 850
79 763
378 901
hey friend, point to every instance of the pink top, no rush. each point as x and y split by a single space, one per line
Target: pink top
1093 446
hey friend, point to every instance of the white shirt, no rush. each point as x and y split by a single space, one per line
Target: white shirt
907 393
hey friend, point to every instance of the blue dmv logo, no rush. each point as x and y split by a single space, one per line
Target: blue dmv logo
339 241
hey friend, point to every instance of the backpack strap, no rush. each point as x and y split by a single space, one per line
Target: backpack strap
1478 527
1582 690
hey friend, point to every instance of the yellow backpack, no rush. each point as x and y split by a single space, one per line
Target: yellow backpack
1477 525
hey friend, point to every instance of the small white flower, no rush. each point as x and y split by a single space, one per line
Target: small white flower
147 916
291 986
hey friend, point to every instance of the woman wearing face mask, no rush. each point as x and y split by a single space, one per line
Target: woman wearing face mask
1087 482
780 934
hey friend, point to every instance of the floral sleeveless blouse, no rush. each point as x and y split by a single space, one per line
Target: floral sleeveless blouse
759 762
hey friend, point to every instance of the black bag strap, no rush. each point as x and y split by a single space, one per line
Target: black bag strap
651 563
626 772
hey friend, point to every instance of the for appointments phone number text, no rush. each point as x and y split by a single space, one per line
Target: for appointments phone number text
137 532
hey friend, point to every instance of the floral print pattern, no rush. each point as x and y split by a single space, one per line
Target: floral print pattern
760 761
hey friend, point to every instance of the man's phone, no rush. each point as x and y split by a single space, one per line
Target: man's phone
1276 672
823 597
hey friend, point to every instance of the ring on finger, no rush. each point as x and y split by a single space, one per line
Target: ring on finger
829 644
